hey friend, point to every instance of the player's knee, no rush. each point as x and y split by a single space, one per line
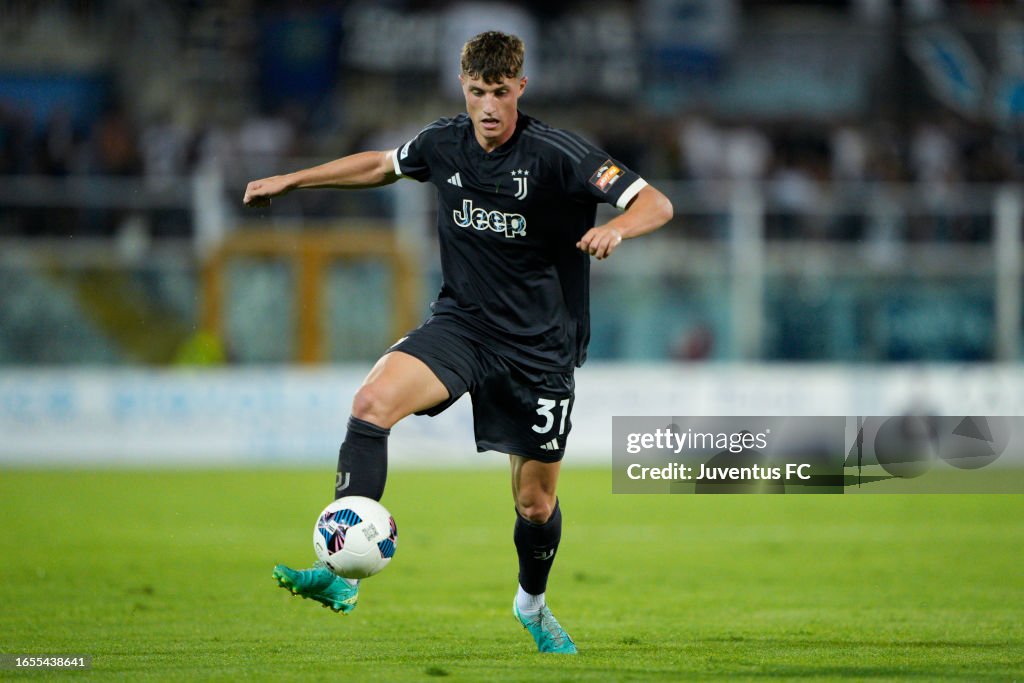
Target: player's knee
372 404
536 510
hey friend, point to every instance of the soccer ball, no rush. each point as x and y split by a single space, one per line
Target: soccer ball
355 537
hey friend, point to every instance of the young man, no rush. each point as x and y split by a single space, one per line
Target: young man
517 203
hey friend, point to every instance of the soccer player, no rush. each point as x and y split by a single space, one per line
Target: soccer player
517 205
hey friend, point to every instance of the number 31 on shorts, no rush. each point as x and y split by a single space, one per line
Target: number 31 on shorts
545 408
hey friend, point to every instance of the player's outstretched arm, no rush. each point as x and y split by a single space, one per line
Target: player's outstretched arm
365 169
648 211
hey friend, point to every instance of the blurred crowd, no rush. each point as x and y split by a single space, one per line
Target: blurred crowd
816 177
940 151
824 109
805 164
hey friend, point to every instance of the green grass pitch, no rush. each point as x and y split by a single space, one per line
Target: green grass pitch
166 575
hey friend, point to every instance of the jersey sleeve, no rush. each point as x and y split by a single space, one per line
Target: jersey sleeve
594 172
412 160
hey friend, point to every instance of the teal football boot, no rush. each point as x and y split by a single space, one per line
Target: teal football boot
320 584
546 630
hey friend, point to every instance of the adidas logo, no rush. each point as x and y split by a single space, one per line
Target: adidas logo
455 180
551 445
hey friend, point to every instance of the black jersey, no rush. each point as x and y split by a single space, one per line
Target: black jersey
508 222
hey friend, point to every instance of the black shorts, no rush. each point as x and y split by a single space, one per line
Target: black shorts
516 409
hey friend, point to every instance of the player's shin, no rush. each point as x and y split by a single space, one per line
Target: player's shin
536 545
362 461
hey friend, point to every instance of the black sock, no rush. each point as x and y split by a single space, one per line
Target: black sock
362 461
536 545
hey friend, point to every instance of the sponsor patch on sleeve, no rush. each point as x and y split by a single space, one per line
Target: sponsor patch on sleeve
606 175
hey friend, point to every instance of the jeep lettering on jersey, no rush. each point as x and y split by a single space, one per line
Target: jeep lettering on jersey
512 224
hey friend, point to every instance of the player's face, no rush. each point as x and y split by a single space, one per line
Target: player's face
492 108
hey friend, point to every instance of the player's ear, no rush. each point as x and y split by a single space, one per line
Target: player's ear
522 85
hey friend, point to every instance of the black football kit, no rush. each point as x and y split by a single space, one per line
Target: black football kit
511 321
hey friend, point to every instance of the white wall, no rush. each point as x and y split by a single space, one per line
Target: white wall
285 415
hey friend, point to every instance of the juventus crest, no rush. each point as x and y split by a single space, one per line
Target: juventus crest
521 176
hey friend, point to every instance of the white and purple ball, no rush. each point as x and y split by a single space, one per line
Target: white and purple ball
355 536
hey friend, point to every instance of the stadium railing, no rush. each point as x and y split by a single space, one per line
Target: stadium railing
864 273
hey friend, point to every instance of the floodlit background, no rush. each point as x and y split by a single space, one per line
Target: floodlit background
847 236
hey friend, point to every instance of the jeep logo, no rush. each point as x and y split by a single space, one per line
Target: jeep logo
512 224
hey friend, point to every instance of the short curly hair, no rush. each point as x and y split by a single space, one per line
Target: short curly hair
493 56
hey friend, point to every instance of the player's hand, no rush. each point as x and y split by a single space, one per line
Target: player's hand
259 192
600 241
